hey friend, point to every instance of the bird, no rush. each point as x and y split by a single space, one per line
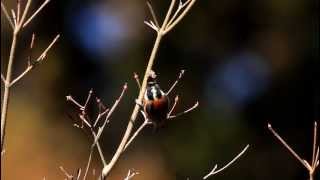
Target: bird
155 104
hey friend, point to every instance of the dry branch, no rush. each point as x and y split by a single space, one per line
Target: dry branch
311 167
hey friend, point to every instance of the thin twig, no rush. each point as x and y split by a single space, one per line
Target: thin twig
6 14
18 10
288 147
145 123
153 14
314 147
184 112
87 100
14 17
100 115
180 17
35 13
6 94
25 12
176 82
176 99
78 174
160 33
70 98
150 24
69 176
214 171
3 79
125 87
88 164
38 60
130 174
181 6
136 77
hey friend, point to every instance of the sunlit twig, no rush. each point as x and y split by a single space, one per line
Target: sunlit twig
214 171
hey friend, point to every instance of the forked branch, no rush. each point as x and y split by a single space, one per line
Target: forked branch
160 33
216 171
311 167
91 125
16 20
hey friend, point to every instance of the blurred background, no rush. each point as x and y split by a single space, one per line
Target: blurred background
247 62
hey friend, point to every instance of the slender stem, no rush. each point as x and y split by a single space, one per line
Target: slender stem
176 21
88 164
5 11
160 33
310 175
25 12
314 147
214 171
6 94
35 13
304 163
106 170
166 19
145 123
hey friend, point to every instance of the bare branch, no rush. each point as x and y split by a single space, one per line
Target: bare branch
136 77
14 17
100 115
160 33
186 111
316 162
98 147
18 10
305 164
35 13
3 79
176 99
150 24
166 19
87 101
69 176
145 123
6 14
25 12
130 174
125 87
314 147
88 164
38 60
153 14
84 119
180 17
44 53
70 98
78 174
180 7
176 82
214 171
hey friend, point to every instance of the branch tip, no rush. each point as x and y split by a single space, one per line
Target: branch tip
69 97
269 126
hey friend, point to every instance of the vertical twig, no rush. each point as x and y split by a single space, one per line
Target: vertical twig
311 167
16 23
160 33
6 93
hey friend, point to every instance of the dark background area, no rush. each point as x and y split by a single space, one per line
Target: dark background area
247 63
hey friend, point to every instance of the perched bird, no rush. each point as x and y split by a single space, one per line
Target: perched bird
155 103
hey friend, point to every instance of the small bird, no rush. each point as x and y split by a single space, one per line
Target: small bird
155 104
